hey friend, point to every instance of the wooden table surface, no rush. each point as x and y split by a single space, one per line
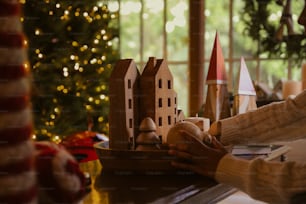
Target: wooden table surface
126 187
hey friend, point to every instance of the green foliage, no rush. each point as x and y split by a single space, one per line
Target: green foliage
72 46
259 27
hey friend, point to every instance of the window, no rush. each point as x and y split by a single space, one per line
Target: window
160 85
160 102
169 84
169 40
160 121
129 84
169 102
169 120
130 103
130 123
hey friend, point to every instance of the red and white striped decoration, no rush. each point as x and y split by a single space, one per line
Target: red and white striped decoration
59 176
17 173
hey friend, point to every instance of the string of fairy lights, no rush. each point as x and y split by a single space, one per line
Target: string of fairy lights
78 64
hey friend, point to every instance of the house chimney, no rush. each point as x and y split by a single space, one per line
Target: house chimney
152 62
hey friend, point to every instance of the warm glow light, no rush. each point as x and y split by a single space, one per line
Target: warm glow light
105 37
37 32
102 96
75 43
72 57
76 66
93 61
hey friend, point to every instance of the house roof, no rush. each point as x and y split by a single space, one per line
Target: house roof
122 67
216 71
153 66
244 84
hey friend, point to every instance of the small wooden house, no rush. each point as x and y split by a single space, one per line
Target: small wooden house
135 96
217 105
123 92
244 91
158 100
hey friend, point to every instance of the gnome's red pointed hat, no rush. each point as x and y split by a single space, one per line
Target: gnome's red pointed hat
216 71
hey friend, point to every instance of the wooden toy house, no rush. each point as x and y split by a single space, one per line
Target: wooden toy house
134 97
123 91
244 91
217 105
158 100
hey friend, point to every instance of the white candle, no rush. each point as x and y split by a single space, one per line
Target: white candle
291 88
304 76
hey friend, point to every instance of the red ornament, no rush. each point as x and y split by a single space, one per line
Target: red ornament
80 145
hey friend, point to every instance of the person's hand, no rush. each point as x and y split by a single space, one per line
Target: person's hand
195 156
215 129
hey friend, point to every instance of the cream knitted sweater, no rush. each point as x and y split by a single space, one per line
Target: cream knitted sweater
273 182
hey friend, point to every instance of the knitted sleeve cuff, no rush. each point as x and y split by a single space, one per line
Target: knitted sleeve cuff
229 131
233 171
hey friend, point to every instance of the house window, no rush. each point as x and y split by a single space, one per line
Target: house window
129 84
169 102
130 123
160 121
160 84
169 84
169 120
130 103
160 102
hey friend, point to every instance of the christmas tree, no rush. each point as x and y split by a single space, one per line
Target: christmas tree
72 48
